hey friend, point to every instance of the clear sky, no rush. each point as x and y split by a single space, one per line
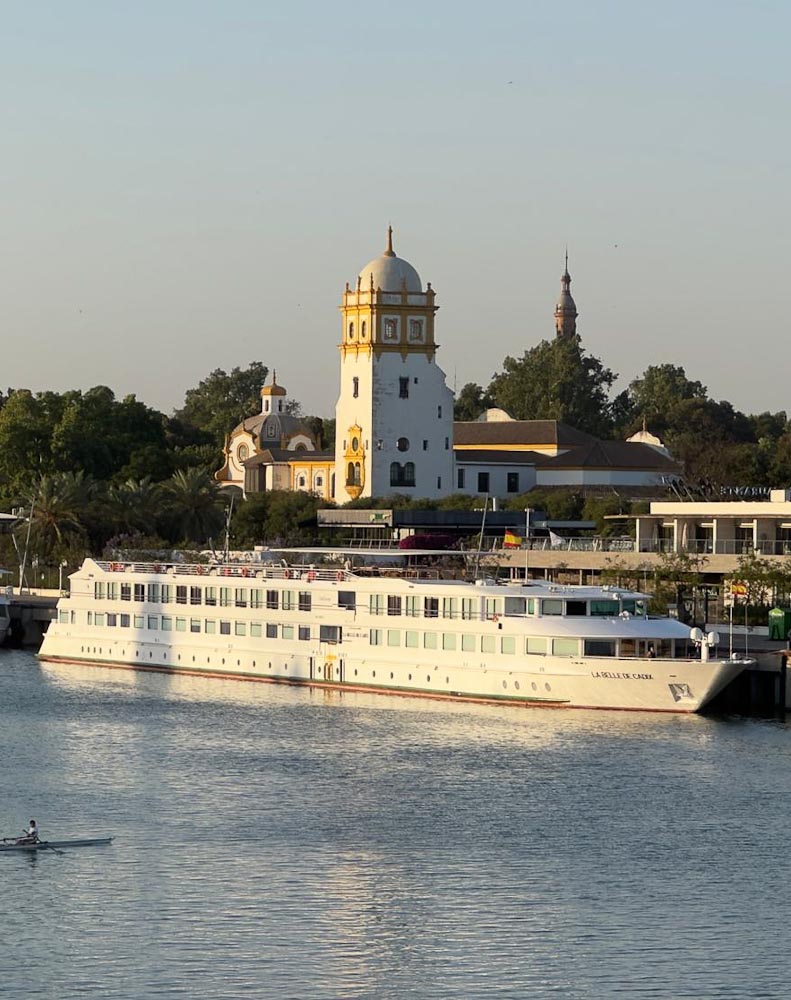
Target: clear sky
189 185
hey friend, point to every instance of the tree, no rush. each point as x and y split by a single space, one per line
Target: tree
471 402
222 400
656 395
194 506
557 380
61 510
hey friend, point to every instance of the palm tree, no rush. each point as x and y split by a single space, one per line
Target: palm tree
61 510
194 505
136 505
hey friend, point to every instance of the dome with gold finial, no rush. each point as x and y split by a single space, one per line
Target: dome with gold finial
390 273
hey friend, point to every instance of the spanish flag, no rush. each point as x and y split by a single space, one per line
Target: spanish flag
511 541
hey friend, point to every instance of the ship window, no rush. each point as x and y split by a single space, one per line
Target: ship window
429 640
256 598
515 606
450 607
551 606
99 590
153 622
210 626
112 591
393 604
487 643
330 633
225 628
492 607
288 632
634 607
181 595
605 609
271 631
375 637
448 640
126 591
346 600
240 628
125 621
468 643
305 600
508 645
195 595
536 645
140 592
225 597
255 630
194 624
393 637
90 622
467 608
576 609
413 607
430 607
271 599
140 621
181 624
98 618
565 647
112 619
210 596
167 593
599 647
63 617
376 604
288 600
167 623
304 632
411 639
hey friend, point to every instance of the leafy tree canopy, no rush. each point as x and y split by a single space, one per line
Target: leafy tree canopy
223 399
471 402
557 380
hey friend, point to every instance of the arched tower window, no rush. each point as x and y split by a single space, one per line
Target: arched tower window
362 331
351 331
355 387
409 474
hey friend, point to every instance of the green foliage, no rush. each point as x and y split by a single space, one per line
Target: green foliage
471 402
195 507
557 380
223 399
277 518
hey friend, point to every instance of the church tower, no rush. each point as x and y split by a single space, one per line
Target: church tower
394 416
565 310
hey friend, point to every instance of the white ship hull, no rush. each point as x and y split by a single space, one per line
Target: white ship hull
673 684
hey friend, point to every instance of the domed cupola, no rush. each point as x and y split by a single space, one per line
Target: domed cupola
273 397
566 309
389 273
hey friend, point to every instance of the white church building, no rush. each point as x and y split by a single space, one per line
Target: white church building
395 431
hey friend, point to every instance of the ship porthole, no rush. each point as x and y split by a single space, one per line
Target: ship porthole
533 686
516 685
373 673
428 678
505 684
547 687
391 675
410 676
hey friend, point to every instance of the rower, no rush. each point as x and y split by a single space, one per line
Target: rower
31 834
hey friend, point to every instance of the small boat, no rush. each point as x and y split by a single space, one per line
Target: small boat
54 845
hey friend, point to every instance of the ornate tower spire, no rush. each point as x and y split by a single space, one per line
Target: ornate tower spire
389 252
565 310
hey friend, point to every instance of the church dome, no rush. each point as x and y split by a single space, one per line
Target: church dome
390 272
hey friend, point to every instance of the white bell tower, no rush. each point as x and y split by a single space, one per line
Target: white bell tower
394 416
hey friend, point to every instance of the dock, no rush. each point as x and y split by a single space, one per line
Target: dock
31 614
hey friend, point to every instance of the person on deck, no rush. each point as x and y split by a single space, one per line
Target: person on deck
31 834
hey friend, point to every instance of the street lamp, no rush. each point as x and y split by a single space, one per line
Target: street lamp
63 565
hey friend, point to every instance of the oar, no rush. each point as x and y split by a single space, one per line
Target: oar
49 847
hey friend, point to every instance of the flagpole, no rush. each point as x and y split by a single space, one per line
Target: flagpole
527 543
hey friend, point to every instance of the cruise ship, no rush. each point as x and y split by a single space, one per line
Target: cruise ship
525 644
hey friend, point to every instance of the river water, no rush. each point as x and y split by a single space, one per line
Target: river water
277 842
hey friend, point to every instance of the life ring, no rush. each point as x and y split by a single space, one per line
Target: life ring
226 571
245 571
199 570
286 574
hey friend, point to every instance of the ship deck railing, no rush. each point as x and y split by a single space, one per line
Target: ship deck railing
267 571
